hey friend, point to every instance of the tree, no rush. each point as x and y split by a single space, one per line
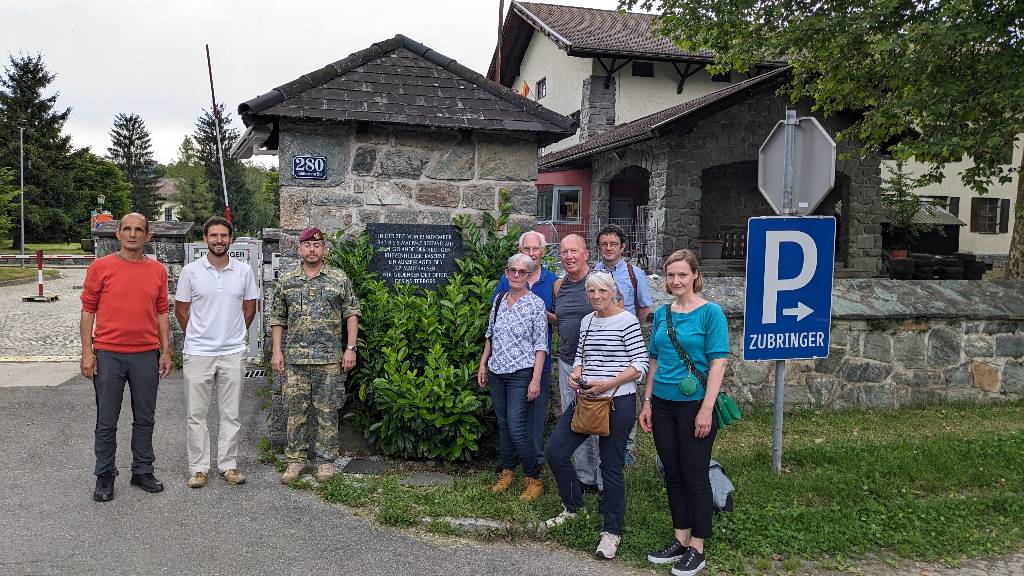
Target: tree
132 151
903 203
91 176
239 194
266 202
48 185
8 201
193 199
948 71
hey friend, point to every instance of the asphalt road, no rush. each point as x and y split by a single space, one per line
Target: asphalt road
49 523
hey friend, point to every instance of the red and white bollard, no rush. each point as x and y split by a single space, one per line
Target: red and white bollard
39 271
41 296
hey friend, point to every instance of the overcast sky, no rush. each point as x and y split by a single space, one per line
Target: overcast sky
147 57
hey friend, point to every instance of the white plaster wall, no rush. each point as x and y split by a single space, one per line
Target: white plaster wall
564 74
951 185
637 97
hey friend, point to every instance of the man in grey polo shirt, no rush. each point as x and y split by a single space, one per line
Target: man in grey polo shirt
214 303
571 305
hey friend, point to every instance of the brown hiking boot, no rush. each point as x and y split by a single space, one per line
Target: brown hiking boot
292 473
324 472
233 476
534 488
505 480
198 480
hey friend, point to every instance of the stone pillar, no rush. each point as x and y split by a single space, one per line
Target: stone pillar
597 108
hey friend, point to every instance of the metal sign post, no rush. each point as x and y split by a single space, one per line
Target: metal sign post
806 155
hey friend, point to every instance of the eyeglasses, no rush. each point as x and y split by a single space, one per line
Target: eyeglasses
516 272
610 244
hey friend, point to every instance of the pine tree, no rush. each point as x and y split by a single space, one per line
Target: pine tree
8 201
132 151
240 195
193 199
48 164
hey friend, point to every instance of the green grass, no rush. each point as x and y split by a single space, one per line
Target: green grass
927 484
18 273
54 248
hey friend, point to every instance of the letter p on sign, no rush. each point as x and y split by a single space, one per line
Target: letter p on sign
773 284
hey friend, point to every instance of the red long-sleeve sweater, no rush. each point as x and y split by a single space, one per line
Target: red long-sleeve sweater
126 297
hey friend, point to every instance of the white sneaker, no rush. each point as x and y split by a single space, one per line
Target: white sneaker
562 517
608 546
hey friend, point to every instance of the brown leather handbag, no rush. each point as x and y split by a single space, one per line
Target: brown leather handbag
592 415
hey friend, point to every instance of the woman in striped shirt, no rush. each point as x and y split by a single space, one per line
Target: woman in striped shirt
610 358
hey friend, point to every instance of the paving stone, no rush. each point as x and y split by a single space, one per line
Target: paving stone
42 329
367 466
424 479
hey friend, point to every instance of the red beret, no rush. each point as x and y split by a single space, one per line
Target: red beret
311 233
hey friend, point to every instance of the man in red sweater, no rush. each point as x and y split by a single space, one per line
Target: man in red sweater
124 331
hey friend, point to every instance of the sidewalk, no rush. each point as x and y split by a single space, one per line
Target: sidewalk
50 525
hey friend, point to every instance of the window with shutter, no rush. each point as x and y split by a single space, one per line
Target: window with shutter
1004 215
985 215
954 205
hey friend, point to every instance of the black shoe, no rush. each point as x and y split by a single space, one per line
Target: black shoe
690 564
147 482
104 488
671 553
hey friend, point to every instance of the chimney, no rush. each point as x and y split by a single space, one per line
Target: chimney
597 110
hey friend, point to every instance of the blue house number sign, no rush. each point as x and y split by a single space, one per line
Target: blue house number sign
310 167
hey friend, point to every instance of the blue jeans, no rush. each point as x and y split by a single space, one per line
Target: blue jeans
515 435
564 442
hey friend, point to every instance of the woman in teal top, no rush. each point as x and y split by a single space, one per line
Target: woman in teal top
679 407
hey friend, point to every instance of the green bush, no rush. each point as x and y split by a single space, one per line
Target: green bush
414 391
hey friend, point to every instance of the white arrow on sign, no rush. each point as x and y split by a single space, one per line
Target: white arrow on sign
801 311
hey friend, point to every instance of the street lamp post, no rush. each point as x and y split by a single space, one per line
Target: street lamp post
21 141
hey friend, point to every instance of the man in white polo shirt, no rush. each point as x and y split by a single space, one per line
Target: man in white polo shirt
215 302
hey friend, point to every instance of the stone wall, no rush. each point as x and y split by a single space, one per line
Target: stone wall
597 107
681 160
893 343
403 175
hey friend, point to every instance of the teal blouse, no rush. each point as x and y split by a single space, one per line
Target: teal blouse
703 333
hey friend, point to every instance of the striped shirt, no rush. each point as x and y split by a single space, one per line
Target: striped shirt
610 345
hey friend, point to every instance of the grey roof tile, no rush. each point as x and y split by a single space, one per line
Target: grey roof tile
403 82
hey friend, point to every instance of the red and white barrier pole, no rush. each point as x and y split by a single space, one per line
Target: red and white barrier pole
39 271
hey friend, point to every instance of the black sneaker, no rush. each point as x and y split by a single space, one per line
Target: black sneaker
690 564
671 553
147 482
104 488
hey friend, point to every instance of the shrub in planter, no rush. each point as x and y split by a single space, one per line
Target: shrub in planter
414 392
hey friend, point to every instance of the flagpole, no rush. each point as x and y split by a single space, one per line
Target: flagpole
220 149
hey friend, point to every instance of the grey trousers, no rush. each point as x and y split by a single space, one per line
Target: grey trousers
587 458
141 370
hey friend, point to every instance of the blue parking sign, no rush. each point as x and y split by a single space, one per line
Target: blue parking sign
788 310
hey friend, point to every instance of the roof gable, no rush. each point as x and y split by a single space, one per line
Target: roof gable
400 81
586 32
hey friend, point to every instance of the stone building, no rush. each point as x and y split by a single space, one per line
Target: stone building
665 149
398 133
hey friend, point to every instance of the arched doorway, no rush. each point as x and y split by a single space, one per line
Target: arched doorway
628 194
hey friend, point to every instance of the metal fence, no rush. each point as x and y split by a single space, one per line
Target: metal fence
641 235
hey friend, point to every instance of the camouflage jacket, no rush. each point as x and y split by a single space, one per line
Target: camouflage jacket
313 311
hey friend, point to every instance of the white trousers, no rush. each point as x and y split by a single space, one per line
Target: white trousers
201 372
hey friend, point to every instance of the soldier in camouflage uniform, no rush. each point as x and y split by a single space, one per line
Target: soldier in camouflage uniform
317 306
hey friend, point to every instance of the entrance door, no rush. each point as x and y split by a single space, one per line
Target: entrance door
620 210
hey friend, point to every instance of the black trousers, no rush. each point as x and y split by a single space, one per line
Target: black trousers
686 459
142 372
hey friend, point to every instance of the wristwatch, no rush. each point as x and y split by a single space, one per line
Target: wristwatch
352 348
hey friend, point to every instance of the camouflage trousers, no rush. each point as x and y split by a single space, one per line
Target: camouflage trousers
320 389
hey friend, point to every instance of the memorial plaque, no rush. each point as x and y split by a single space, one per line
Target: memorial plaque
420 254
